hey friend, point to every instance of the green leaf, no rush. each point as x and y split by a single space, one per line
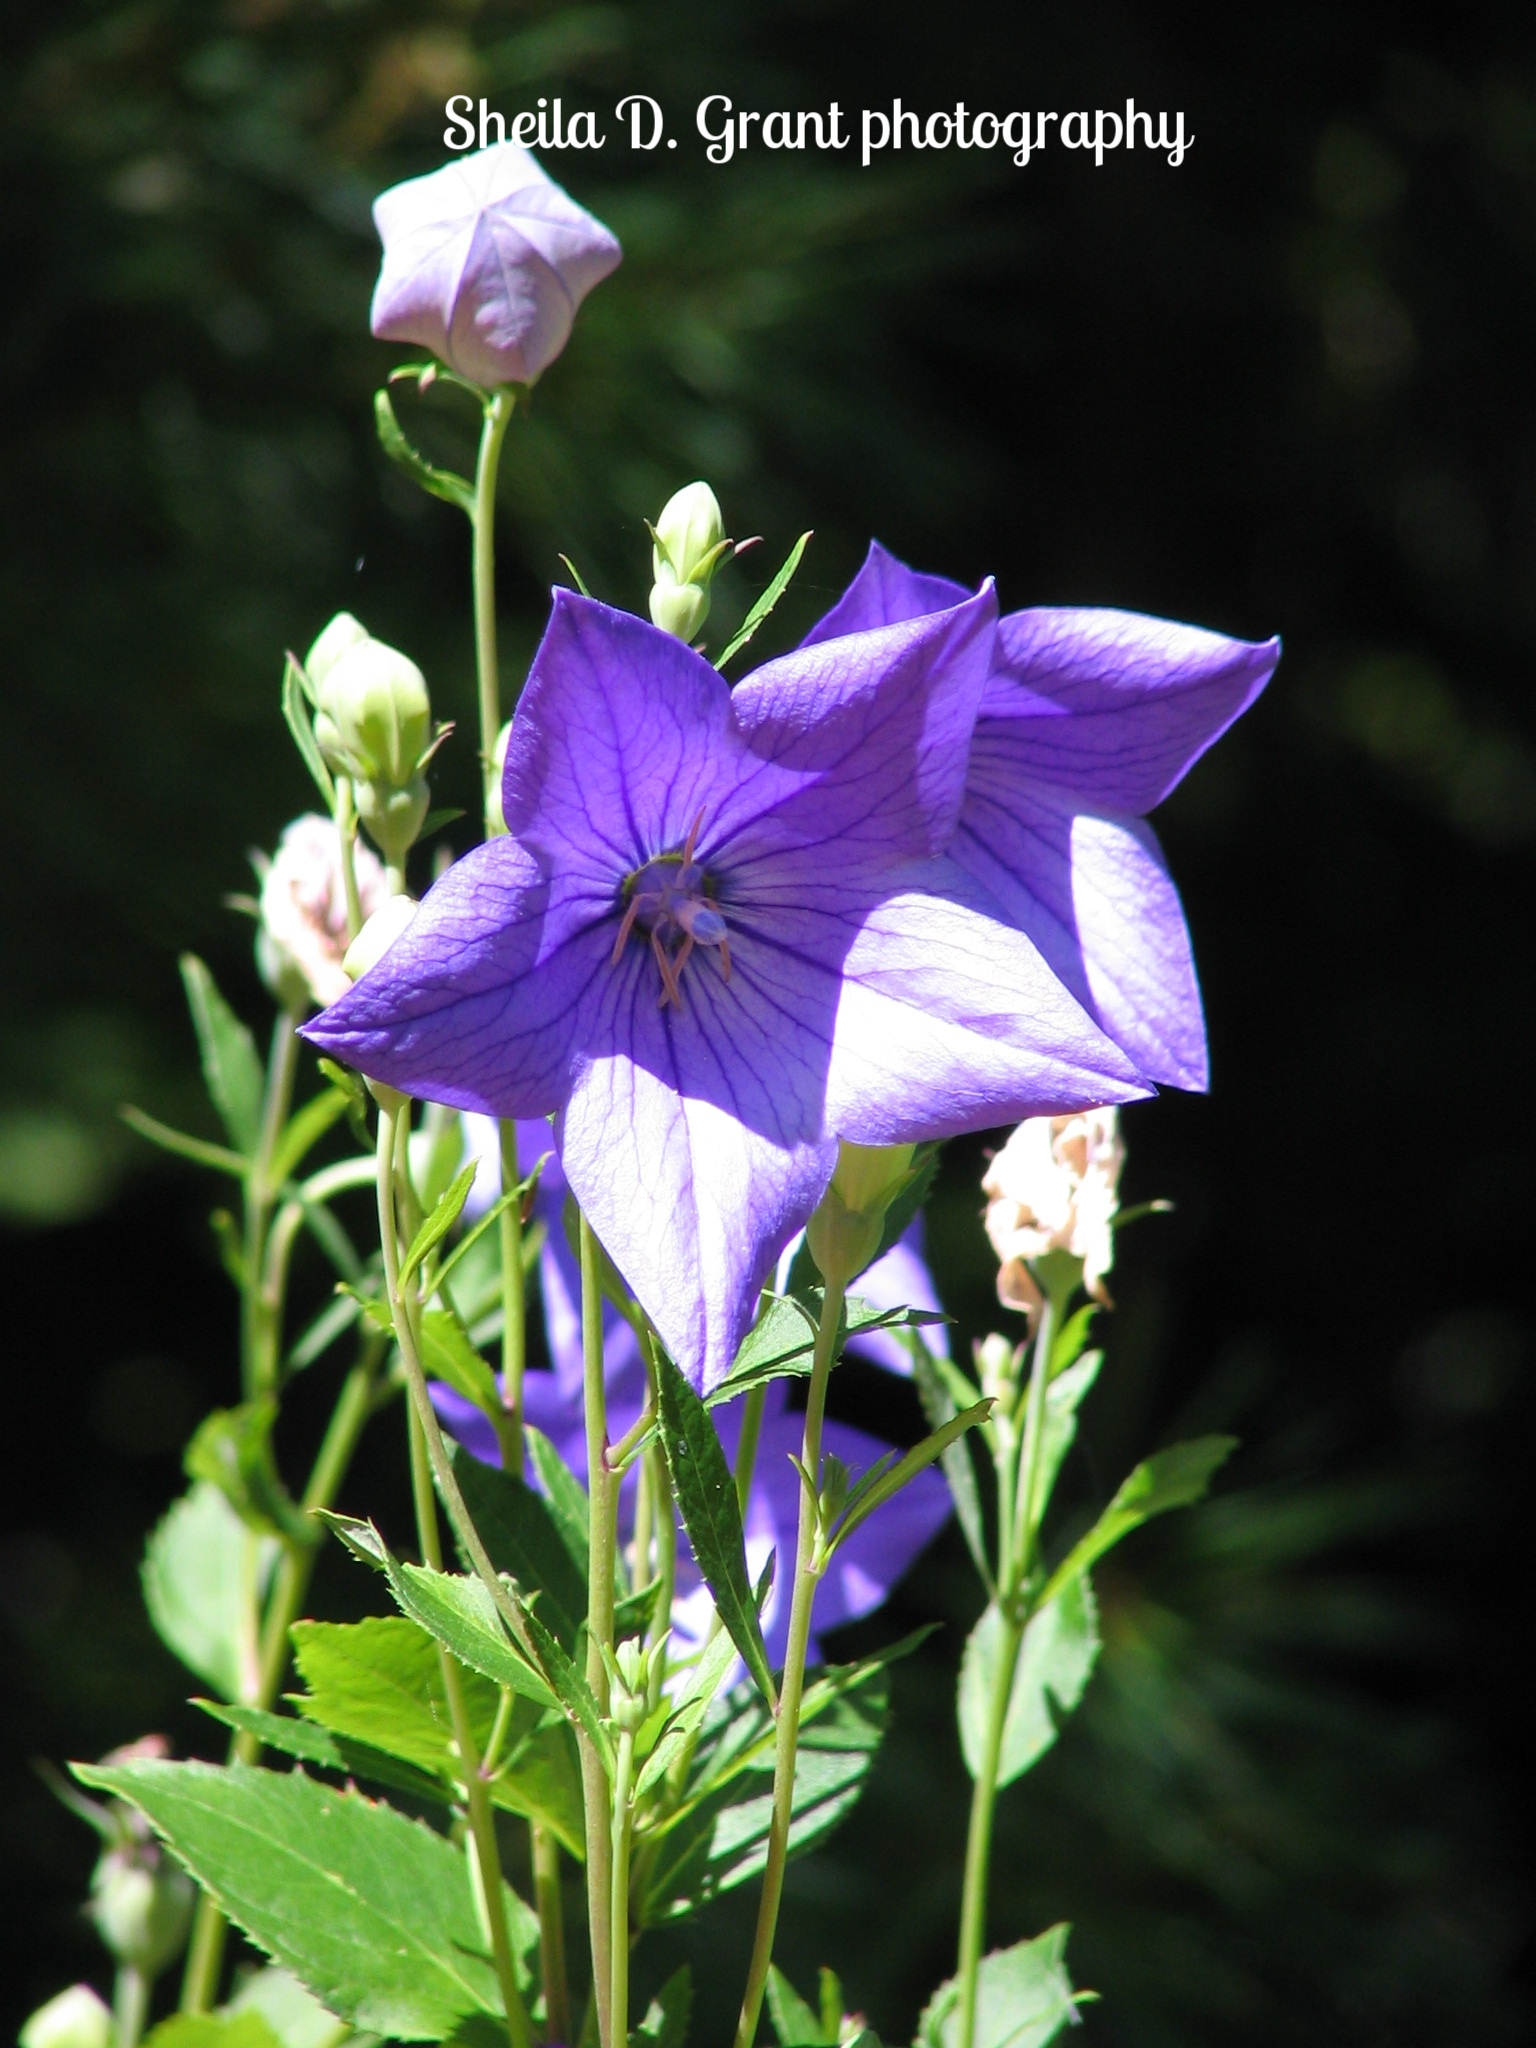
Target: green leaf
460 1612
1024 1998
232 1450
183 1145
292 1736
1056 1659
351 1085
565 1493
1072 1338
781 1342
195 1565
304 1130
1063 1397
442 483
705 1490
880 1486
215 2030
1174 1478
766 602
790 2017
705 1680
939 1405
575 575
296 712
448 1355
297 2019
445 1213
719 1837
540 1777
371 1911
526 1539
231 1066
666 2017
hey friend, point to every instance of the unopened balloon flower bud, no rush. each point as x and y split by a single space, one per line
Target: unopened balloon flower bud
393 916
848 1223
688 546
141 1903
342 633
303 930
998 1369
77 2018
629 1686
1054 1188
373 715
496 821
394 817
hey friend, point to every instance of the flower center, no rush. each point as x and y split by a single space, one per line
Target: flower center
670 902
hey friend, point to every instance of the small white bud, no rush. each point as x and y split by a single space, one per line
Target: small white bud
690 535
343 632
393 917
77 2018
142 1906
373 717
679 609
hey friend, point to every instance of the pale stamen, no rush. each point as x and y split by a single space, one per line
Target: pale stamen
671 901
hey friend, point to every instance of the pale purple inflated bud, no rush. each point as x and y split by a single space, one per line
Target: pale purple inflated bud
485 263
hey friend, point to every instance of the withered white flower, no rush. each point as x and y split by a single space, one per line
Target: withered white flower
303 933
1055 1187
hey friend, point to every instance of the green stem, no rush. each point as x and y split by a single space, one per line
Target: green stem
346 833
603 1496
619 1890
746 1443
130 2006
1020 1513
497 417
793 1680
514 1308
546 1893
257 1344
482 1821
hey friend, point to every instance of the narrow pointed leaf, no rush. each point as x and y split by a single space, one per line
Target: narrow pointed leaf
296 713
665 2024
1174 1478
231 1065
442 483
766 602
305 1128
790 2017
445 1213
867 1498
939 1406
182 1144
705 1490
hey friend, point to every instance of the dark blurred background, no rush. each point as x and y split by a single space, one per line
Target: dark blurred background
1287 386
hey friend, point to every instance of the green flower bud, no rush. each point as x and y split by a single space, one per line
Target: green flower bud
496 819
142 1906
845 1231
342 633
394 817
679 609
998 1365
689 536
373 715
77 2018
378 935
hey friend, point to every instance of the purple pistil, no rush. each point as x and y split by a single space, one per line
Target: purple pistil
670 900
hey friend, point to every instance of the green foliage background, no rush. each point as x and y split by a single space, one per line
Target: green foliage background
1287 386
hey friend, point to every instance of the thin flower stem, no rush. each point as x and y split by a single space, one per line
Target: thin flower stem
793 1680
619 1889
130 2006
603 1495
497 417
551 1911
482 1822
257 1346
746 1443
1019 1513
514 1307
346 835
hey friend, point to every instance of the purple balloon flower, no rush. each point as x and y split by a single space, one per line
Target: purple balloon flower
875 1556
721 934
1089 718
485 263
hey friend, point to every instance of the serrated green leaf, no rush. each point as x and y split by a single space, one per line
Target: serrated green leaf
666 2017
445 1213
448 1355
766 602
195 1567
296 698
232 1450
231 1066
790 2017
442 483
215 2030
371 1911
705 1491
460 1612
525 1538
1024 1998
297 2018
780 1344
1060 1648
1175 1478
291 1735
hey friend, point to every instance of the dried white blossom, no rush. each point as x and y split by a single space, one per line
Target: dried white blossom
1054 1187
303 935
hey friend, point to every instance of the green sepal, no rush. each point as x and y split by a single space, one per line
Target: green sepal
232 1069
1175 1478
297 688
1054 1664
195 1564
442 483
1024 1998
576 576
373 1912
232 1450
766 602
705 1491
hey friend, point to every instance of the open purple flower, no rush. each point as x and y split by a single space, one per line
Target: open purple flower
863 1570
720 935
1089 718
485 263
